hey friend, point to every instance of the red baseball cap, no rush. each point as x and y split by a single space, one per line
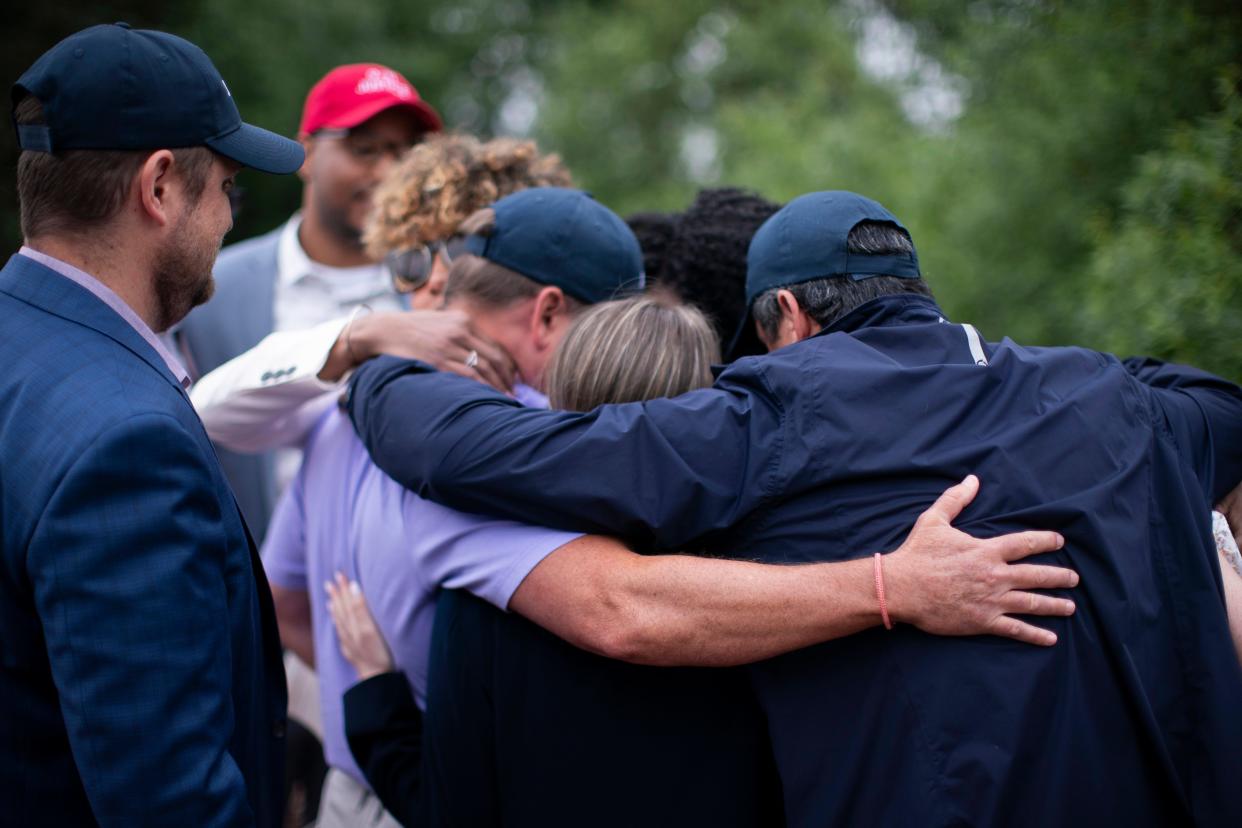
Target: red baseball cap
351 94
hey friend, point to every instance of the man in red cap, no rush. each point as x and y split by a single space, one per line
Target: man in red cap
298 307
309 282
357 120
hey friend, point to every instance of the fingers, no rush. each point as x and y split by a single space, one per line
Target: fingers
1007 627
459 367
336 609
344 601
445 340
496 369
1022 544
492 364
495 366
1032 576
1033 603
951 503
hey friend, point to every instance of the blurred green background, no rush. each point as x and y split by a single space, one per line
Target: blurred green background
1071 171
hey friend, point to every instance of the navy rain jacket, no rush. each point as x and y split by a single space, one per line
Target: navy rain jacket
829 449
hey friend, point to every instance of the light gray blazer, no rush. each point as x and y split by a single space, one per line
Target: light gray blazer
239 315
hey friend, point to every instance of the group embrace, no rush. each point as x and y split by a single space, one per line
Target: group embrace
551 517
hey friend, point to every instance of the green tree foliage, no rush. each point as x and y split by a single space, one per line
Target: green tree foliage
1043 152
29 29
1167 279
648 100
462 55
1064 97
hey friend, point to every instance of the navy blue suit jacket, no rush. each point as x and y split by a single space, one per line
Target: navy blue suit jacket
140 675
830 449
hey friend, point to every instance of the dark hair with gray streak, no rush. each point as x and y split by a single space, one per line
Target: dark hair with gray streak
830 298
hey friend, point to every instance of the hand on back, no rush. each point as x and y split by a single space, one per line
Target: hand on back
946 582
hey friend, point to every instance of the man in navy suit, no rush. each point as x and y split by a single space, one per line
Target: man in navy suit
140 675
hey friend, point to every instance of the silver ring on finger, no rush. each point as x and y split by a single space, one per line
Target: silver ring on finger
472 359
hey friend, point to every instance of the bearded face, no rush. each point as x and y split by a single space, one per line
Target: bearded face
183 267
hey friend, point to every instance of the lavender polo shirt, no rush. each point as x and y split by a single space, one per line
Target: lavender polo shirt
343 513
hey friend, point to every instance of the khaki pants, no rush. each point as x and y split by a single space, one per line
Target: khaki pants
346 804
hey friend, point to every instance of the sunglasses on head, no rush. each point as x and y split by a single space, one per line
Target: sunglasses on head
411 268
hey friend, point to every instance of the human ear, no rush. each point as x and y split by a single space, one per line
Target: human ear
153 181
308 146
549 306
796 324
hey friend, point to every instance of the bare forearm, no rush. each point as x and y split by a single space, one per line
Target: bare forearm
300 642
694 611
681 610
293 618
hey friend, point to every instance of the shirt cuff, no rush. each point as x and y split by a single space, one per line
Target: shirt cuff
252 402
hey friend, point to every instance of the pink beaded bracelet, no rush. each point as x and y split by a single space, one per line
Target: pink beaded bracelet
879 592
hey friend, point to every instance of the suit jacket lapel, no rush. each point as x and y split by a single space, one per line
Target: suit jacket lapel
27 280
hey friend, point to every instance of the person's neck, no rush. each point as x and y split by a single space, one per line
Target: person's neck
328 248
124 274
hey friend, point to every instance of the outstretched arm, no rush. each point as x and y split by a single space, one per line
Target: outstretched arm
272 395
674 469
677 610
1204 413
680 610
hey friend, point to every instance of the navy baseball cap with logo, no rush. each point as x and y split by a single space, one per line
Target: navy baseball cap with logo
806 240
117 88
563 237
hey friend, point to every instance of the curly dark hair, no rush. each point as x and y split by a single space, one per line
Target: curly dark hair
700 255
654 232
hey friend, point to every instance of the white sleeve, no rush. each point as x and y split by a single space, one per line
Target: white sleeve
271 396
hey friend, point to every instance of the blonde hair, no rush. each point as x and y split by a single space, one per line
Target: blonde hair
441 181
630 350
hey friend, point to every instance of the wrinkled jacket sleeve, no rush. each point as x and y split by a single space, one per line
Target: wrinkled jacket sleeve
1204 412
270 396
662 472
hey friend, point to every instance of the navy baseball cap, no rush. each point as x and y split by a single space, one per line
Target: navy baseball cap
117 88
562 237
806 240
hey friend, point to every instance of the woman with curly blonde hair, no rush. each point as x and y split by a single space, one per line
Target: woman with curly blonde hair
419 205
